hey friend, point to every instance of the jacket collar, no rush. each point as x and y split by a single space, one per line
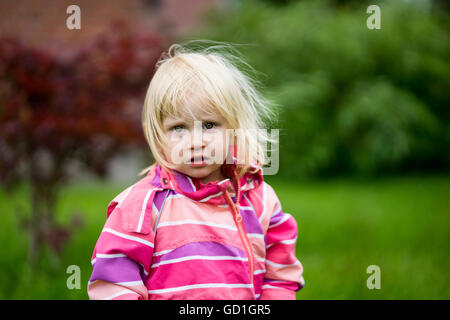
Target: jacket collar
211 192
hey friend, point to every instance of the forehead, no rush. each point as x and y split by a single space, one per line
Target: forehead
192 109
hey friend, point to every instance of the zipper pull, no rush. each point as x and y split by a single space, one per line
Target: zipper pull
238 213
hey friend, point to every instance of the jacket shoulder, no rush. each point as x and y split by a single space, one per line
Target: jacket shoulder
133 206
264 201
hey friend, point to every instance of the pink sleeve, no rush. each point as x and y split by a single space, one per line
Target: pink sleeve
122 258
284 272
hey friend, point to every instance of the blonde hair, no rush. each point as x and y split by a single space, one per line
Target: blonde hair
213 74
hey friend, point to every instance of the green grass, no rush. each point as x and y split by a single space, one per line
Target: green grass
47 280
399 224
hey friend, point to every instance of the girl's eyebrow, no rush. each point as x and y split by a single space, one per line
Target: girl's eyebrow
171 120
170 123
212 117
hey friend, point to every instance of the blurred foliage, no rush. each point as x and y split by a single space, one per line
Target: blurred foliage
82 104
57 107
351 100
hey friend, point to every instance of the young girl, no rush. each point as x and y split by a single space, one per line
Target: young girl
202 224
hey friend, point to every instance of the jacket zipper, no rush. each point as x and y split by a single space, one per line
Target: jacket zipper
245 240
243 235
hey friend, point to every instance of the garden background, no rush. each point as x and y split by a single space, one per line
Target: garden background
364 132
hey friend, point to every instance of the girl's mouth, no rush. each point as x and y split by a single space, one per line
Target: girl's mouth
198 161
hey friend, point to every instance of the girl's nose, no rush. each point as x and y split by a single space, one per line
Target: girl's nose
197 144
197 139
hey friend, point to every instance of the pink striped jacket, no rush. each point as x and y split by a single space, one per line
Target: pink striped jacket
169 236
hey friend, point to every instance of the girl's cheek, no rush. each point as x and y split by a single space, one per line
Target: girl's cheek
178 140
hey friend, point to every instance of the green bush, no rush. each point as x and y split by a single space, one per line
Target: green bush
351 100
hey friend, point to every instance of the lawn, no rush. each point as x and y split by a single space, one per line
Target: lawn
399 224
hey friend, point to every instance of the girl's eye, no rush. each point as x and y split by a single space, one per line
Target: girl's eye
178 128
209 125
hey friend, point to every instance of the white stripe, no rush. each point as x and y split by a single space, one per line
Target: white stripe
130 283
278 265
276 211
277 281
181 222
143 268
255 235
162 252
289 241
127 192
170 261
143 209
251 205
107 256
119 294
192 184
176 196
282 220
128 237
179 195
203 285
263 204
223 181
302 282
268 286
154 208
113 255
240 207
211 196
259 271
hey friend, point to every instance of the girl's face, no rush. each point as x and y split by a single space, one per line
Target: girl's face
197 148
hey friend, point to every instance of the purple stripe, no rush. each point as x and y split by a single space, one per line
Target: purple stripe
157 179
159 198
205 248
183 182
276 218
120 269
251 222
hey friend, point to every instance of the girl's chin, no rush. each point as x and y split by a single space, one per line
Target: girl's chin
199 172
196 172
